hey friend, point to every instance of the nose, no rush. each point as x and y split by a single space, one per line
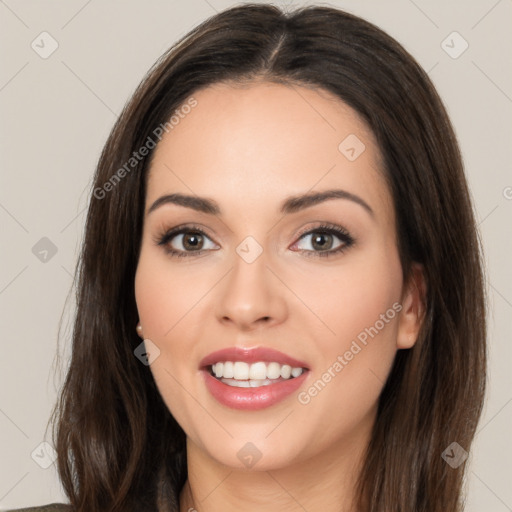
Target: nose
251 296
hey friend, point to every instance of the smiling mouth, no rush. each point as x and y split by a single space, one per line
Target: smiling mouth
244 375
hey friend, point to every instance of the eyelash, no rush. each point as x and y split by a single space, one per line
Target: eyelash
326 229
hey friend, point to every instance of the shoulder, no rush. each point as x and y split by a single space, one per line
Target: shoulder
53 507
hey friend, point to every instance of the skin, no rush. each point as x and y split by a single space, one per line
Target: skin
249 148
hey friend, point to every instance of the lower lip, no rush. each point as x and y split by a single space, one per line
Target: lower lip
251 399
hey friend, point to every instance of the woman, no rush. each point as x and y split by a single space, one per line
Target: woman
280 300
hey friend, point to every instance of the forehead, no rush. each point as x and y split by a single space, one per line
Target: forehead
255 144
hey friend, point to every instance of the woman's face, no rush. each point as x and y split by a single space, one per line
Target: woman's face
319 281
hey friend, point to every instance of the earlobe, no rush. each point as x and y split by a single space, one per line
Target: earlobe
413 308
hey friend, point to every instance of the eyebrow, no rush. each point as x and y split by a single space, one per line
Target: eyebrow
291 204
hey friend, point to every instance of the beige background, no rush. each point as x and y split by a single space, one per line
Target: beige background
57 112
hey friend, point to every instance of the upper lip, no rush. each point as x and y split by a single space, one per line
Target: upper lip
251 355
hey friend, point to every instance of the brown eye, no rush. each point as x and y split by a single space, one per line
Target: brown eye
185 242
322 241
192 241
325 241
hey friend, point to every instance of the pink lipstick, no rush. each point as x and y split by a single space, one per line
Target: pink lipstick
252 378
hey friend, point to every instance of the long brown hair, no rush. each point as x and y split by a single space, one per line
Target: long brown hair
118 446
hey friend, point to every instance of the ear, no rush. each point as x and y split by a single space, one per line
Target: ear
413 307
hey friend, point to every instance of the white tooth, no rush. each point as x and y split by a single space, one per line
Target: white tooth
218 369
258 371
240 370
295 372
254 383
273 371
286 371
237 383
228 370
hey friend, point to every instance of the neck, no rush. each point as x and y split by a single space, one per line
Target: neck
324 482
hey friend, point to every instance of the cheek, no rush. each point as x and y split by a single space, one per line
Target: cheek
168 300
361 307
164 294
163 299
150 303
353 297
